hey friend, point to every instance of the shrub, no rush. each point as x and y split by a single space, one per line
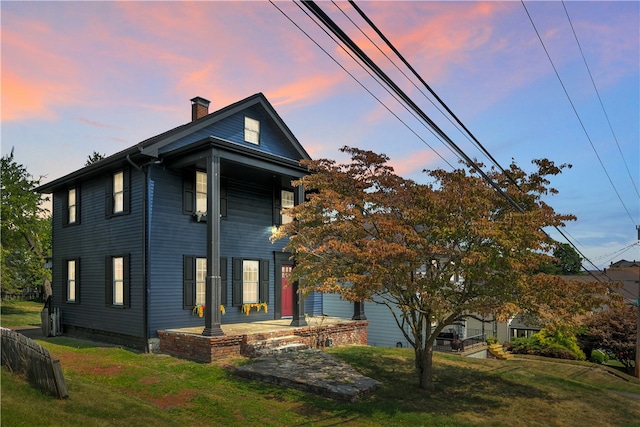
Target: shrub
558 344
598 357
492 340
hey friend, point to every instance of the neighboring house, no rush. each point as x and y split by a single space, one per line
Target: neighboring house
134 237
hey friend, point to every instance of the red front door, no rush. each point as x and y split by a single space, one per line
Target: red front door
287 292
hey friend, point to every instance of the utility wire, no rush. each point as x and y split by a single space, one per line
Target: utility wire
359 82
336 30
395 65
424 83
417 75
576 112
366 60
600 99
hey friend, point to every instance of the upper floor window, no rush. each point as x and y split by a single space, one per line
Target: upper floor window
287 202
72 206
194 195
117 193
201 192
251 130
71 201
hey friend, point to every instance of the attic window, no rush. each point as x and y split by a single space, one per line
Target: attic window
251 130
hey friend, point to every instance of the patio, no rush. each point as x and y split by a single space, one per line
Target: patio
259 338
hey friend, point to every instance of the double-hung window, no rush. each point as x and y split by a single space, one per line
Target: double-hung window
201 192
117 281
194 281
72 206
287 202
250 281
201 280
250 271
71 280
251 130
117 193
194 195
282 199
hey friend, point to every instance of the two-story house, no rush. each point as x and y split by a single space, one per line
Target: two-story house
178 221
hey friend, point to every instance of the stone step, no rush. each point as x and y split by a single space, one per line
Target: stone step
274 345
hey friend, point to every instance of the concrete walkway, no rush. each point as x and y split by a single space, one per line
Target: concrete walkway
312 371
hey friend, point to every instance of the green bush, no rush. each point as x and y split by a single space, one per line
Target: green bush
598 357
492 340
558 344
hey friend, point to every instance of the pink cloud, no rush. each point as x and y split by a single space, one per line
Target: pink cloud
413 163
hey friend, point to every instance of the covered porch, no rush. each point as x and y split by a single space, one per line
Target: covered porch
257 338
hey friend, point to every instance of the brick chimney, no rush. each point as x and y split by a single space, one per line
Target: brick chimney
199 108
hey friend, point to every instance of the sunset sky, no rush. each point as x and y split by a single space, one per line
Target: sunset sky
79 77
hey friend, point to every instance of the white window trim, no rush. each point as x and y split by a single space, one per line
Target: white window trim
118 192
201 192
201 280
72 205
118 281
71 280
287 201
250 281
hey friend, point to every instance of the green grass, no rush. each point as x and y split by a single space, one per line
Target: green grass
114 386
20 313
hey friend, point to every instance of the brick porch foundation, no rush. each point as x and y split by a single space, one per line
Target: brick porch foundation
199 348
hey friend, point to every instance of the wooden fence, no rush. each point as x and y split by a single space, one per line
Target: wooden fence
25 356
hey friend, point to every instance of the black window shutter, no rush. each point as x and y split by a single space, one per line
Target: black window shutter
236 271
264 281
108 197
126 190
108 279
77 205
65 279
188 282
223 281
65 210
277 205
126 286
188 193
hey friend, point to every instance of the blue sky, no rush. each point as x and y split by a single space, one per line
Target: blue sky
79 77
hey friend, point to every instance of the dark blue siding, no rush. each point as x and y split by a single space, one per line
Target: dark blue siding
118 235
244 234
232 129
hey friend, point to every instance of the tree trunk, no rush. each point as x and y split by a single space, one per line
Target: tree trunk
424 367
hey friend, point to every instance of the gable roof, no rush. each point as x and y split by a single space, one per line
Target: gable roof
152 148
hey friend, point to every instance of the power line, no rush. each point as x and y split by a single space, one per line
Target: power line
415 73
576 112
599 98
336 30
358 81
424 83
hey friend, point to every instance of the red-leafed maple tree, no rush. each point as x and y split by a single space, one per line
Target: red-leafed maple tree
431 252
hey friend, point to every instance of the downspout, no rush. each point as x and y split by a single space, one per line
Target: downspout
145 198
